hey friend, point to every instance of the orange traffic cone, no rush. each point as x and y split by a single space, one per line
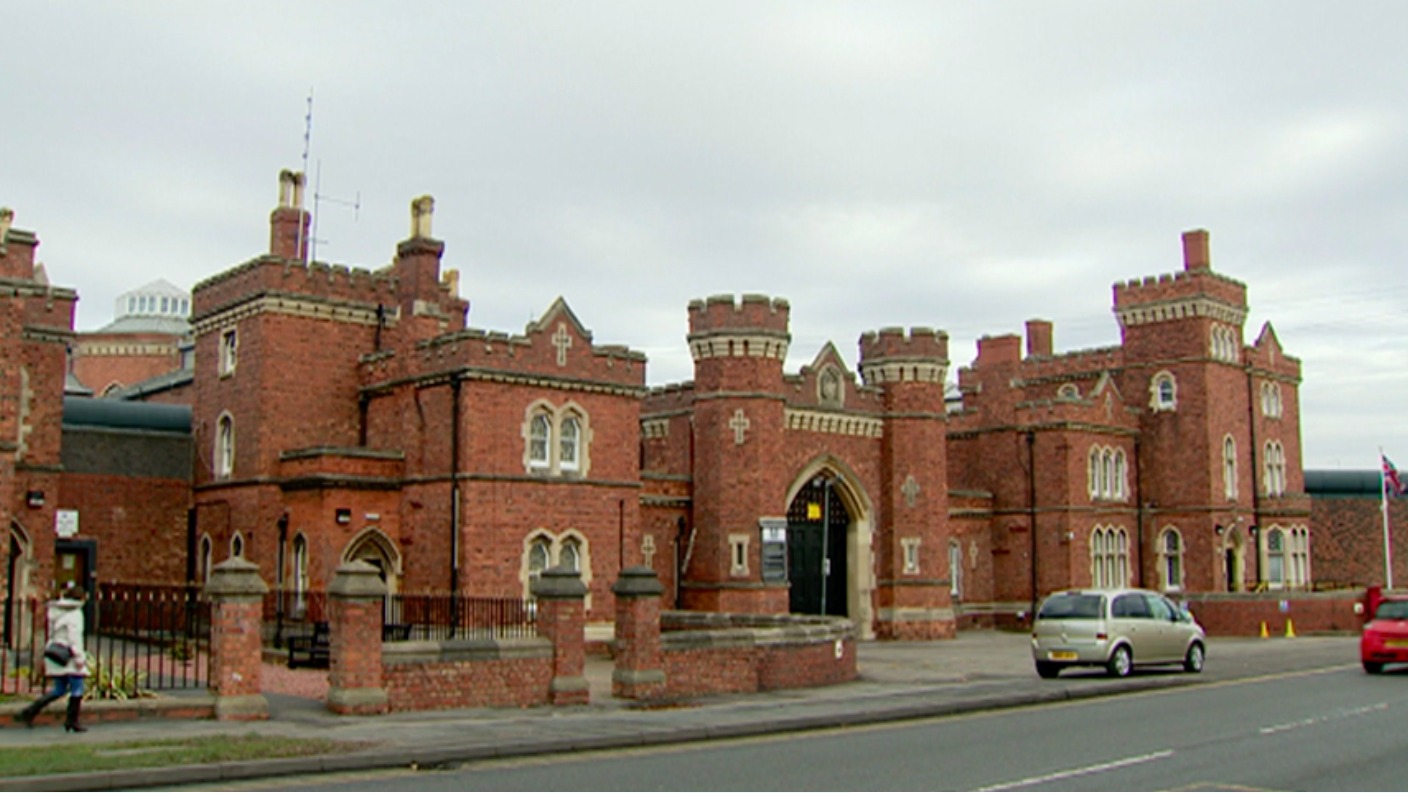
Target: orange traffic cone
1264 633
1290 629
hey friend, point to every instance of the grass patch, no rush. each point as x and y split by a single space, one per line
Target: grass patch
69 757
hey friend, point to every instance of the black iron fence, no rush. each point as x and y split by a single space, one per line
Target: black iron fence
138 637
408 617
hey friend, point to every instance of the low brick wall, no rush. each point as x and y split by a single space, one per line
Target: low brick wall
467 673
711 653
1242 614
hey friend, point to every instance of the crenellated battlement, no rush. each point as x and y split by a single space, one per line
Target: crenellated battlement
753 314
916 344
269 274
1196 291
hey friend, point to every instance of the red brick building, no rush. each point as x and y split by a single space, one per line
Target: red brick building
148 338
342 413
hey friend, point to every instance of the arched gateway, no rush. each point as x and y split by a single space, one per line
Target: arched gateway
828 548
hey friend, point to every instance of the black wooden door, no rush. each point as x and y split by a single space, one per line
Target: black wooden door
816 551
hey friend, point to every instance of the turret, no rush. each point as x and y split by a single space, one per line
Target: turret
739 344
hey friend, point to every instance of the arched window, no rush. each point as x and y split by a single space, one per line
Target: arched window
1093 475
1068 391
1300 557
1120 476
225 447
300 574
539 430
1107 472
955 569
539 557
1171 549
1163 392
1274 465
570 555
1276 558
237 546
1229 467
207 561
570 437
1109 557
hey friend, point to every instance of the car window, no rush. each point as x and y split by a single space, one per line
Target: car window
1072 607
1161 609
1392 610
1130 605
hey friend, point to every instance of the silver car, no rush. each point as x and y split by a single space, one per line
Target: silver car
1117 629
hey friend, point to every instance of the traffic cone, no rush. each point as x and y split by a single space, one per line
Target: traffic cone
1290 629
1264 633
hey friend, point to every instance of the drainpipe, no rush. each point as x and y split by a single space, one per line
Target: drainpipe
1139 513
454 503
1031 513
1256 501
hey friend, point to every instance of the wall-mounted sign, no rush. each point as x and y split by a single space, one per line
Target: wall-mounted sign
66 523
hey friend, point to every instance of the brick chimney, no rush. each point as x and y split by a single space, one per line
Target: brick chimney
288 223
1039 338
1195 250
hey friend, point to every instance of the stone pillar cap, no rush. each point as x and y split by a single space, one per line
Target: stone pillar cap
559 583
236 577
357 579
638 581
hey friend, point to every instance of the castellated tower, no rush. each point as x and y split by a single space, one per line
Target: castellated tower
1185 363
278 345
739 347
911 539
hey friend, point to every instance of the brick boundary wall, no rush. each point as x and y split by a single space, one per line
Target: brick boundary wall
711 653
1243 614
467 673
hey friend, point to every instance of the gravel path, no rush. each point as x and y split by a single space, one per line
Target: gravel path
306 683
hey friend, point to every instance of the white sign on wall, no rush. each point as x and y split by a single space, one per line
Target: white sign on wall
66 523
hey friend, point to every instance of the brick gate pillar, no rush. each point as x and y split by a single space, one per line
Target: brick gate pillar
640 668
354 673
562 620
236 595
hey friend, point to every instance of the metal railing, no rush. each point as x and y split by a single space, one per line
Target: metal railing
136 636
446 616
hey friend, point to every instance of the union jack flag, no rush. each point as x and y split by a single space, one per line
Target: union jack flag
1393 483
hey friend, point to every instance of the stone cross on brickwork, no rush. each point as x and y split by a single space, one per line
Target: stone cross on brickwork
647 549
910 490
739 424
973 554
562 340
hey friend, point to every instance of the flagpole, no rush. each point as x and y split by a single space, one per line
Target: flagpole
1383 507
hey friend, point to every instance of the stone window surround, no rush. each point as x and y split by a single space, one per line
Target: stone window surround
554 544
556 419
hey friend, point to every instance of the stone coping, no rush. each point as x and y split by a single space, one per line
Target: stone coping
458 651
712 630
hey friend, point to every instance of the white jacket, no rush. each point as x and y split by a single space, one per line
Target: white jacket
66 627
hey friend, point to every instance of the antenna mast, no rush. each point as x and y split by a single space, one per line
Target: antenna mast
307 142
318 197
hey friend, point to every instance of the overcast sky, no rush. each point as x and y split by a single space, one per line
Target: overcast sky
965 166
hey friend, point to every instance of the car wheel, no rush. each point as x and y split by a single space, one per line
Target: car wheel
1047 669
1373 667
1193 661
1121 662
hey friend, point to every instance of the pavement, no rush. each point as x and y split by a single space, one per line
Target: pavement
978 671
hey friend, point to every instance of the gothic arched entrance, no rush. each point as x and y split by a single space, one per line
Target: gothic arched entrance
817 549
377 550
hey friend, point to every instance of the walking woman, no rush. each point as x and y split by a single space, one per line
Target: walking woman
66 629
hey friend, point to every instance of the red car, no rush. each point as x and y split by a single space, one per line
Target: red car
1385 636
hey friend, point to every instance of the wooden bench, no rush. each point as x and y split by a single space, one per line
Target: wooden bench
311 650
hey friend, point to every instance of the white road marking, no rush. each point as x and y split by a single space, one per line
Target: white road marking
1314 720
1075 772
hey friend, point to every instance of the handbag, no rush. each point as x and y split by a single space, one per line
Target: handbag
60 654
